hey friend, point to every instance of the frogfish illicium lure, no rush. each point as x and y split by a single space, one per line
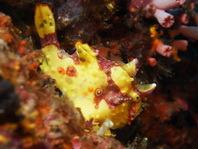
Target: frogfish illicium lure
100 88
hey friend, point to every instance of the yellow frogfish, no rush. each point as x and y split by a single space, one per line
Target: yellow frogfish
100 88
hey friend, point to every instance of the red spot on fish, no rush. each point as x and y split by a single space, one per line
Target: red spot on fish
90 89
61 70
71 71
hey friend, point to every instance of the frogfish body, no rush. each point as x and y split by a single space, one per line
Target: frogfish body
102 89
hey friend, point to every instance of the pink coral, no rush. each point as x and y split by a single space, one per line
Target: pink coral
196 18
161 48
190 32
138 3
151 61
180 45
164 50
164 18
157 8
194 13
184 18
168 4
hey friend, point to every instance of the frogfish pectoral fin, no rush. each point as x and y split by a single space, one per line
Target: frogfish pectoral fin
146 88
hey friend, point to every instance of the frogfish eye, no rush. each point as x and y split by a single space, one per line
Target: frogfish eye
98 91
136 97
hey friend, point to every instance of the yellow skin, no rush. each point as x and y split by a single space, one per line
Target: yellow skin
82 79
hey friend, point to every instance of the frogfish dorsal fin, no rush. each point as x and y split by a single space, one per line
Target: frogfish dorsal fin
130 67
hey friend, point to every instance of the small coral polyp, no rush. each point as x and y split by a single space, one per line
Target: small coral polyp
99 87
